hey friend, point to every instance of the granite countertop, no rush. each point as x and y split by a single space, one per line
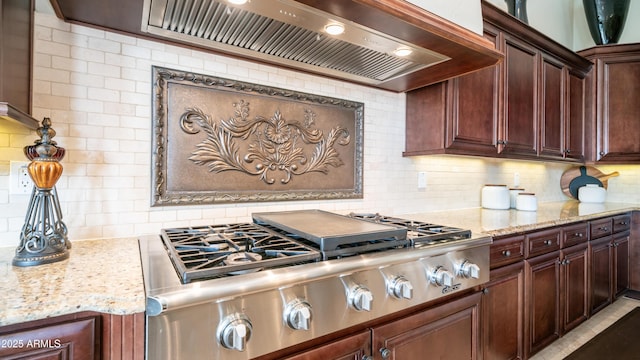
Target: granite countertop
506 222
100 275
106 275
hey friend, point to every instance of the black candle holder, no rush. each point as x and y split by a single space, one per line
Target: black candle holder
43 238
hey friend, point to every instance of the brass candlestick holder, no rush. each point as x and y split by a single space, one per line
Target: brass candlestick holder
43 238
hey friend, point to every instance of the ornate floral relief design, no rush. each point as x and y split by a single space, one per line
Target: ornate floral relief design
309 149
274 148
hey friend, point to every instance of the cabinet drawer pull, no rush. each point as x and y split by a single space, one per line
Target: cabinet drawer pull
623 223
578 235
548 242
506 253
604 228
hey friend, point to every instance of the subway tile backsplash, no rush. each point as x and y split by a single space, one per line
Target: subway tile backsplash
96 88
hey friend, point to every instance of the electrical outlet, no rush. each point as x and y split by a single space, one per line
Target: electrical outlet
21 183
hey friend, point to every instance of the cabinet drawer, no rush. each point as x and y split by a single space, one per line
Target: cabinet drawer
74 339
599 228
574 234
621 223
507 251
543 242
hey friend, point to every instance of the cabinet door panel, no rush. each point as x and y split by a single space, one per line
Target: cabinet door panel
502 316
71 340
349 348
601 274
619 114
542 302
574 285
475 115
621 261
574 148
521 125
449 331
552 130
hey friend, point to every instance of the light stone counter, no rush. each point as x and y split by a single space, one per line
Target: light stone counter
100 275
506 222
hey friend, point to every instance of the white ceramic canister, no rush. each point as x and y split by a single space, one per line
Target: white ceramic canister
495 197
592 193
513 194
526 202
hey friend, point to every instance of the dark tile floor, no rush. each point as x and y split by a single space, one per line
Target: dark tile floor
585 331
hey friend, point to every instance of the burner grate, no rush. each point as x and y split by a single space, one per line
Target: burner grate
231 249
420 233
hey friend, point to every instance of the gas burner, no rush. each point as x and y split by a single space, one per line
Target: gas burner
420 233
231 249
243 258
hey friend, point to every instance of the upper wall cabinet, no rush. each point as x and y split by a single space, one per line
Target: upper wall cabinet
530 106
613 114
16 29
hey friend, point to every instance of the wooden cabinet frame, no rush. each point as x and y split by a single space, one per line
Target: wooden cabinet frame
530 106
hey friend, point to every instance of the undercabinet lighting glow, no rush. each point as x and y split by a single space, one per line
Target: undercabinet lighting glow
237 2
334 29
403 52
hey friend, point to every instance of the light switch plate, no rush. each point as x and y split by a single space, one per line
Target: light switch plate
422 180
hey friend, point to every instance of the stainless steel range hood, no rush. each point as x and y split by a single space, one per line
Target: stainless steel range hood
288 33
292 34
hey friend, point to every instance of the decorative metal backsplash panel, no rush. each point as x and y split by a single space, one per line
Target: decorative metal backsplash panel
218 140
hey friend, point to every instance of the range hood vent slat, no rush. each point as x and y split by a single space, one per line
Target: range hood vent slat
218 24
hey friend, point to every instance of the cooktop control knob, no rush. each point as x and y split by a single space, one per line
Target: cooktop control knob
440 276
400 288
468 269
297 314
360 298
235 331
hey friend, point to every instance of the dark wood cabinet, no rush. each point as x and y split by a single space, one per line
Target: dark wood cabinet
86 336
15 52
520 129
575 118
613 110
74 339
542 301
538 290
574 280
634 252
502 314
16 43
552 107
609 259
459 116
600 259
448 331
620 253
354 347
530 106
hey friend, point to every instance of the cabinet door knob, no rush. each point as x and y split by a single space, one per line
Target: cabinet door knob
385 353
506 253
548 242
367 357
